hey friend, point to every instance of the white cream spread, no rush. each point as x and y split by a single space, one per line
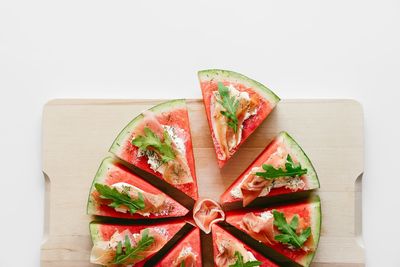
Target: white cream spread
174 133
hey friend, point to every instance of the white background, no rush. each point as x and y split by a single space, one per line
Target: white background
143 49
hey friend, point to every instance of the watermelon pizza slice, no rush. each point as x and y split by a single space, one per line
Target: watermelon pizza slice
235 106
159 142
129 245
292 230
118 193
186 253
230 251
282 168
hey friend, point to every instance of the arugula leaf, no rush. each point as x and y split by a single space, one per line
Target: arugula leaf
182 264
239 262
230 104
129 252
291 170
150 139
120 198
289 235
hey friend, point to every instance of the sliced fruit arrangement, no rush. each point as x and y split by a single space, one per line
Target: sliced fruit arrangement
207 212
119 245
159 142
281 168
230 251
235 106
116 192
186 253
292 230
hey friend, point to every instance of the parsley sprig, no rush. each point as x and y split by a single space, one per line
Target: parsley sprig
291 170
239 261
289 235
120 198
230 104
150 139
132 253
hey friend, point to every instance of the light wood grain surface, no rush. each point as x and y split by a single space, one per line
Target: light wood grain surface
77 135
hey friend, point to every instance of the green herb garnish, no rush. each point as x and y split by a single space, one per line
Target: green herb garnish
182 264
239 262
150 139
129 252
291 170
289 235
121 198
230 105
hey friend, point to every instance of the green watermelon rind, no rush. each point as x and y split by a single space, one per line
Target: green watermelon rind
316 217
126 132
234 77
99 178
295 148
94 229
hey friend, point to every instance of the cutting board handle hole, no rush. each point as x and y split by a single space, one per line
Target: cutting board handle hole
46 207
358 210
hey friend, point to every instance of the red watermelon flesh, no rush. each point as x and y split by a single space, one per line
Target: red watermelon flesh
173 114
226 241
188 250
274 154
309 214
261 97
112 172
104 232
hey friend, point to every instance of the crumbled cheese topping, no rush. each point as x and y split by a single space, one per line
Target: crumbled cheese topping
152 159
185 251
266 215
295 184
174 133
236 192
161 231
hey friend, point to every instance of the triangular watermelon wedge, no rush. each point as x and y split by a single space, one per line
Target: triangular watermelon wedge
106 238
113 174
261 225
166 119
248 101
248 186
186 253
225 245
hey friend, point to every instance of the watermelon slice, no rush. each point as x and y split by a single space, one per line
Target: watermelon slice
167 119
254 103
106 237
186 253
248 186
115 175
260 224
226 245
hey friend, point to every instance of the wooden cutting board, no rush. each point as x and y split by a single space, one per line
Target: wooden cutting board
78 133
